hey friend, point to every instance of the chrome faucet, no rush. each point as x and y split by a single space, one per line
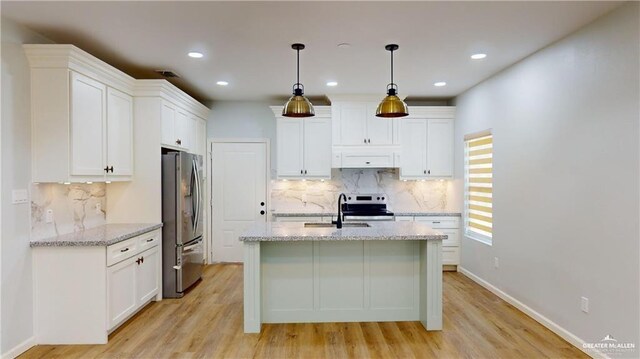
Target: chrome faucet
338 223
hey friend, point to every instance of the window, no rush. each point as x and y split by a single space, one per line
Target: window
478 187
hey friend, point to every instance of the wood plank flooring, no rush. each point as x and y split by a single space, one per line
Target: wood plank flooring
207 323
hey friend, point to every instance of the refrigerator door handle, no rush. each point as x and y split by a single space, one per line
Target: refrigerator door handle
193 185
196 198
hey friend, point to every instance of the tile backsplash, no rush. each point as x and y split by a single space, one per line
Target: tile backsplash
317 196
75 207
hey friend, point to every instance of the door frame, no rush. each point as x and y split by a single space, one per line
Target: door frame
210 214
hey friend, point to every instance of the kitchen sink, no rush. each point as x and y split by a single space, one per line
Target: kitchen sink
331 225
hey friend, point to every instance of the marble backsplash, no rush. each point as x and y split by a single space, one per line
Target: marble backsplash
403 196
75 207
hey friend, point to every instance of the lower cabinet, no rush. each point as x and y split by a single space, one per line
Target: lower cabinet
131 283
447 225
83 293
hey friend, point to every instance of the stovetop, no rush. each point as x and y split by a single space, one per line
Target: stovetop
359 204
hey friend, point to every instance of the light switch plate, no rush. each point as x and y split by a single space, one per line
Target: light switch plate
19 196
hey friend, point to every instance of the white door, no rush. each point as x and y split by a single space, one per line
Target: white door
168 121
148 279
121 290
183 129
413 136
440 148
317 147
239 195
290 147
379 129
88 115
119 133
353 124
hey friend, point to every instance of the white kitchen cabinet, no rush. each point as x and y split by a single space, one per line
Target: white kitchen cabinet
357 125
83 293
88 119
427 148
168 122
447 225
119 134
81 117
304 145
180 129
185 128
201 137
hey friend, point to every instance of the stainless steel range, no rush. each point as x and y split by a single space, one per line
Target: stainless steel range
364 207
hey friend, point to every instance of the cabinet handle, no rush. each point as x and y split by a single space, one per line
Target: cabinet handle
435 222
262 213
305 171
150 240
262 204
429 172
365 140
142 259
106 169
124 250
301 171
138 261
425 171
368 162
179 141
111 169
368 140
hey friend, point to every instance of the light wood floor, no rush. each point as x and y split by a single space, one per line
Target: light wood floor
207 323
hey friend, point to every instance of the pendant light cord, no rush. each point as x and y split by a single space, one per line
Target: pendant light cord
298 67
391 67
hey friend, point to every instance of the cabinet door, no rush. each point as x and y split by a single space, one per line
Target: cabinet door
119 133
168 125
201 137
317 147
353 124
440 148
88 116
148 275
290 147
121 288
184 130
413 137
379 129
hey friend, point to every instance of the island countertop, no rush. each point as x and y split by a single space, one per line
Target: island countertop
379 231
104 235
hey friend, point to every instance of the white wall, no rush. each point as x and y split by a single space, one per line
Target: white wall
566 178
243 119
17 294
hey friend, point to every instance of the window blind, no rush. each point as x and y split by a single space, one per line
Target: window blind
479 187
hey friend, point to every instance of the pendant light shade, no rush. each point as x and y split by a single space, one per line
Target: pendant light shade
298 105
392 106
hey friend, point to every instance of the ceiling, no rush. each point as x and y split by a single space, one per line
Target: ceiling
248 44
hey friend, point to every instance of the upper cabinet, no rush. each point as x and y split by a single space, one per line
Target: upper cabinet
304 145
426 138
356 124
82 116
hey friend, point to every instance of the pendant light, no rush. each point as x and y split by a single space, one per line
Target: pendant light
392 105
298 105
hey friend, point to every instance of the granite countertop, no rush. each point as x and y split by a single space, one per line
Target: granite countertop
104 235
288 231
397 214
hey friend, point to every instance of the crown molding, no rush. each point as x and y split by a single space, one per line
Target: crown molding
169 92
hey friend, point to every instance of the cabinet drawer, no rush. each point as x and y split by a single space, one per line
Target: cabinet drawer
121 251
148 240
450 255
352 160
439 222
453 237
404 219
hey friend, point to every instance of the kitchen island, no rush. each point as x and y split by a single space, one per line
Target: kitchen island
385 271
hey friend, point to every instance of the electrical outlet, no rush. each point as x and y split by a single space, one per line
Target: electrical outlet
496 263
584 304
49 216
98 208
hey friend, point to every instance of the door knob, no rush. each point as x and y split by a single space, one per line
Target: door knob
262 212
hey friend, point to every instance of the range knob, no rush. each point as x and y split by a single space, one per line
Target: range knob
378 198
349 198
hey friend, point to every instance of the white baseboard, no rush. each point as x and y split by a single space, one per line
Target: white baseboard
548 323
20 348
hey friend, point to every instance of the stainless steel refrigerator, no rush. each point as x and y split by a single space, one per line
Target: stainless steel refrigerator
182 241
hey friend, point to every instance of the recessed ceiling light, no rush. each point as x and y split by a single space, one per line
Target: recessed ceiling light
439 84
478 56
222 83
196 55
332 83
